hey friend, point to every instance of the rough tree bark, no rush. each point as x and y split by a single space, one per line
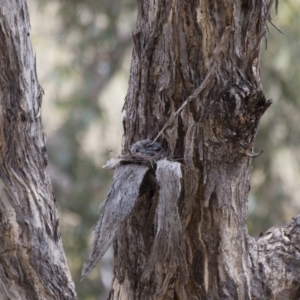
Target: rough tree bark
32 260
186 236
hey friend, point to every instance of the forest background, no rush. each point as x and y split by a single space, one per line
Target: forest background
83 51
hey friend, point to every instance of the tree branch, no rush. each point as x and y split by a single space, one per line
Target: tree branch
275 259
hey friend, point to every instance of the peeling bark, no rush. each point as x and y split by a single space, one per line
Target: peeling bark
195 88
32 260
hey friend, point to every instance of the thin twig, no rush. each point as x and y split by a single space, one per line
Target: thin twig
189 99
208 77
275 26
276 7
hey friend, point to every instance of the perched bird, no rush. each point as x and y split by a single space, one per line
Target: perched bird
147 149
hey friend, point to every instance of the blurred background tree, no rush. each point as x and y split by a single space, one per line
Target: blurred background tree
275 193
83 52
83 56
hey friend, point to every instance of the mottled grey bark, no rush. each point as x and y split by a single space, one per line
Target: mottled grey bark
32 260
195 74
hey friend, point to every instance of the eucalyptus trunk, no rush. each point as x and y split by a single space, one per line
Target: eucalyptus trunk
195 97
32 260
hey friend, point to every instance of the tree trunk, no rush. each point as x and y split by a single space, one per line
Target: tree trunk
195 78
32 260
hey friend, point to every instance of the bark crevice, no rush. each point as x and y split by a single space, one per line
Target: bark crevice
195 89
30 243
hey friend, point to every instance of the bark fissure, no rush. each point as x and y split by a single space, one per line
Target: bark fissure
275 260
32 261
195 88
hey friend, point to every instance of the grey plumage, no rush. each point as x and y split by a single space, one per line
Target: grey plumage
130 171
117 206
148 149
